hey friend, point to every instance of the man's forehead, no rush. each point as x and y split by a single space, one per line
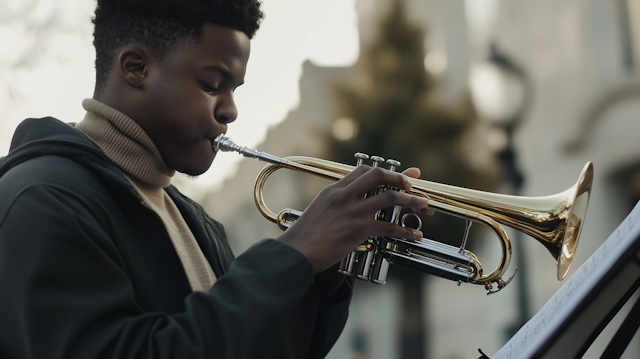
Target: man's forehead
220 49
221 36
217 44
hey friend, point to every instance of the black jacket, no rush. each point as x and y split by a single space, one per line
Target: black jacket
88 271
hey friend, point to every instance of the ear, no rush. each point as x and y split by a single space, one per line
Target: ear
133 64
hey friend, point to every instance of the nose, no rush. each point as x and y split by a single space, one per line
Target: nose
226 110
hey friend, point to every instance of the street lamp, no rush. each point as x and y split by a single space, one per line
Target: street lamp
498 88
501 94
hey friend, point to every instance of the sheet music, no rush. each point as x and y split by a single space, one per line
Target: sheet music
537 331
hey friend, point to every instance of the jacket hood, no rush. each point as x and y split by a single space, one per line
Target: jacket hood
48 136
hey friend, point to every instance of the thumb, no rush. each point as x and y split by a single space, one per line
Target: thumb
412 172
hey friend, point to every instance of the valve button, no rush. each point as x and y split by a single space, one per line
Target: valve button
393 164
376 161
361 157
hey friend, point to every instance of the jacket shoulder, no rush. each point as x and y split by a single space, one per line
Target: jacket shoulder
51 170
55 172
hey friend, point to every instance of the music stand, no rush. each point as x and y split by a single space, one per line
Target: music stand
577 313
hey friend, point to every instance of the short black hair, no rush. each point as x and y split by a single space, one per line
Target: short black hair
160 24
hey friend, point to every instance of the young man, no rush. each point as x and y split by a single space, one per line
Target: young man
101 258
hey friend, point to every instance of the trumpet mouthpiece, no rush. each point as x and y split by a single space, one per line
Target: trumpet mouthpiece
225 144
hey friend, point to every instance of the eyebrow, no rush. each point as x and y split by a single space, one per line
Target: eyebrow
222 71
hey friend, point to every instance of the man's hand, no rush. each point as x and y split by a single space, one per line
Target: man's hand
340 218
414 172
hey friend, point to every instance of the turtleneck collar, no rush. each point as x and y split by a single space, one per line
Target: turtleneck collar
126 143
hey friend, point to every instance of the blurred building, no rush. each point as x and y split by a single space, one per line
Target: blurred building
582 58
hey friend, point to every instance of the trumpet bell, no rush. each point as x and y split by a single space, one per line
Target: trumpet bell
571 214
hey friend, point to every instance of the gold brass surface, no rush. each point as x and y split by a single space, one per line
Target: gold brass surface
555 221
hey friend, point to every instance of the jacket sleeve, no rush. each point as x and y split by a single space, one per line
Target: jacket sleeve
64 293
336 290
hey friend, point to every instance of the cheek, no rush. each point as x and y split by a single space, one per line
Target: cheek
182 114
173 93
187 102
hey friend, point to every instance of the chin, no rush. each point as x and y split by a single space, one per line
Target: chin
194 171
193 163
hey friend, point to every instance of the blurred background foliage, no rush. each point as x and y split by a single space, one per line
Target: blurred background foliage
395 113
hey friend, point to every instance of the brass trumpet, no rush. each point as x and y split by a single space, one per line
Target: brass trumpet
555 221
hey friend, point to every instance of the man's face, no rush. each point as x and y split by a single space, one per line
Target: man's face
189 97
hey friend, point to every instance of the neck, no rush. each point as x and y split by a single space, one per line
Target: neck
126 143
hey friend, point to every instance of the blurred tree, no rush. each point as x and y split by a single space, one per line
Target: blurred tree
396 114
28 28
39 37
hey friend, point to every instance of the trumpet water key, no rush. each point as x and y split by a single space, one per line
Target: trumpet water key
555 221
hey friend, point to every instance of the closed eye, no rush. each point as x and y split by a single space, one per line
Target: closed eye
211 89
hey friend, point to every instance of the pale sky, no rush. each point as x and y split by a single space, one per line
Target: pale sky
46 65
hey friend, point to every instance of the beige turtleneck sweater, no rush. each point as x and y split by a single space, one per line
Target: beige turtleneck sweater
126 144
